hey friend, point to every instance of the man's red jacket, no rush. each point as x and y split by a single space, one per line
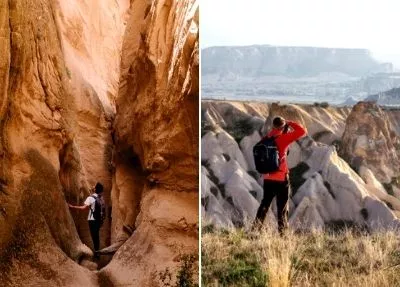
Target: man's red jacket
283 141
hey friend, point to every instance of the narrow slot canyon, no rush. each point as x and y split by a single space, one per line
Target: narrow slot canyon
98 92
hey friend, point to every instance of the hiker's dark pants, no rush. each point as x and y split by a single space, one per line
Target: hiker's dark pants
95 233
280 189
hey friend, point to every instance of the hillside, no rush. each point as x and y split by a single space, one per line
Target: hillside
345 170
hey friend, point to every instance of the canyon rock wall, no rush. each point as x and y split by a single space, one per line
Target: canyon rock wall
59 70
40 154
156 154
60 92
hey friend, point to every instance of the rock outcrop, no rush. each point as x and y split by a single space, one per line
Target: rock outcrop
59 84
369 140
325 189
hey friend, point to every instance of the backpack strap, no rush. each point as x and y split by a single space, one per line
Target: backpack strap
92 210
277 136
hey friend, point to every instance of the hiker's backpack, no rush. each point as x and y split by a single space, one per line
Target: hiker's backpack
99 212
266 155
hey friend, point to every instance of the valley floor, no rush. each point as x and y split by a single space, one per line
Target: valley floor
342 258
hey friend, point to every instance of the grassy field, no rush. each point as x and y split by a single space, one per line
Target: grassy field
345 258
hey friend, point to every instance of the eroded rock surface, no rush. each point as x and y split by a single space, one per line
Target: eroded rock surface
369 140
156 127
59 82
325 189
42 150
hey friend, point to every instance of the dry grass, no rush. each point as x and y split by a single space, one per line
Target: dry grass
236 258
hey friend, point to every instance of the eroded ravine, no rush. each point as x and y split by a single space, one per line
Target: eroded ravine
72 114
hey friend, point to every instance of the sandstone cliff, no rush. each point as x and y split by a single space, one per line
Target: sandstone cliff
59 94
370 141
156 136
326 190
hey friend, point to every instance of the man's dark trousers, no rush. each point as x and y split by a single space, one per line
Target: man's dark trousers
280 189
94 227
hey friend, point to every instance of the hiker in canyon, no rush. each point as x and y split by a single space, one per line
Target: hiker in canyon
95 204
275 170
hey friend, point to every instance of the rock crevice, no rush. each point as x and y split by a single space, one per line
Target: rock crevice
72 115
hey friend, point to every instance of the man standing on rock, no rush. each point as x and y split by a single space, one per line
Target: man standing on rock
277 183
95 204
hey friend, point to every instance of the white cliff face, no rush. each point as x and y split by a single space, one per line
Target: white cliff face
336 192
326 188
228 168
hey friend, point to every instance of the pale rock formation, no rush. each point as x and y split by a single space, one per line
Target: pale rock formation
223 146
337 181
225 163
219 211
327 190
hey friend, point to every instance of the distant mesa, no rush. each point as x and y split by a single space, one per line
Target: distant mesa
265 60
388 98
294 74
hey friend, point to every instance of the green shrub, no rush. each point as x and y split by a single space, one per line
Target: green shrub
186 275
209 228
322 105
241 128
187 271
240 269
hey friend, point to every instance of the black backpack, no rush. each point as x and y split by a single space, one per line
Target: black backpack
266 155
99 212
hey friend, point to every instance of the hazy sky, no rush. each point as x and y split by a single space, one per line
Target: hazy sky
370 24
